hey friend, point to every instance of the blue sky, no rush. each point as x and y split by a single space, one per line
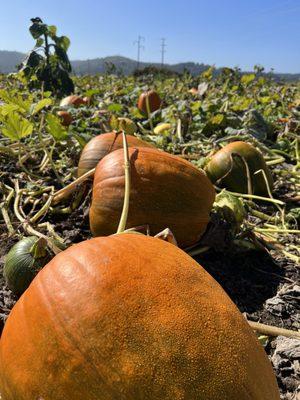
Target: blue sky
221 32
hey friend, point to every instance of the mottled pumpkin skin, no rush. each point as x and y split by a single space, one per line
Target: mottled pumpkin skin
154 101
72 100
236 180
130 317
101 145
166 192
66 117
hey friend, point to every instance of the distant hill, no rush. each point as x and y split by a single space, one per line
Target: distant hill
9 60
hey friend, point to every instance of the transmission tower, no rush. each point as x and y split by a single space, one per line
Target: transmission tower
139 48
163 50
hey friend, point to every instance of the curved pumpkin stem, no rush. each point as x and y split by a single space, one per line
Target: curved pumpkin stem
124 215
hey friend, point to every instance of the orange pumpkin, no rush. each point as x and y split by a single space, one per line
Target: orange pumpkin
230 170
153 99
166 191
130 317
66 117
101 145
72 100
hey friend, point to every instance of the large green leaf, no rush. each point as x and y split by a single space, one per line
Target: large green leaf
15 127
37 28
55 128
246 79
41 105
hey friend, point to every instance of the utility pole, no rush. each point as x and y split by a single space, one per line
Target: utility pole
139 48
163 50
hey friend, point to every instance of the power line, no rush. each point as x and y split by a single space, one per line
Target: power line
163 50
139 48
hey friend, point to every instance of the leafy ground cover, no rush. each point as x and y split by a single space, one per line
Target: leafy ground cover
258 266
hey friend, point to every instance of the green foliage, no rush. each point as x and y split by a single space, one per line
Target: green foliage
15 127
48 65
55 128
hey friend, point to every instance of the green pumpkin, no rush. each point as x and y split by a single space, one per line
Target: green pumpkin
228 171
23 262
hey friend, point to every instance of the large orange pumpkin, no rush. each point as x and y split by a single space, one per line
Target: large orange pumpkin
101 145
154 101
166 191
130 317
231 172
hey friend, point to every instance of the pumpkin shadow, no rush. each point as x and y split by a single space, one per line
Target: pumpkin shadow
248 278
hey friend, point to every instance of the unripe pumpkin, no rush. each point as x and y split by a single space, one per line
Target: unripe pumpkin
100 146
130 317
166 192
66 117
229 170
72 100
153 99
23 262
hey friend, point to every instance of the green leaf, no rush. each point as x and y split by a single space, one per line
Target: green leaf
115 107
40 105
37 28
55 128
16 127
8 108
39 42
52 31
246 79
63 42
217 119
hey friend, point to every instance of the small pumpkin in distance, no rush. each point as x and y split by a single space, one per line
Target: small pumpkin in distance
23 262
166 192
65 117
163 129
153 99
72 101
87 100
130 317
100 146
227 168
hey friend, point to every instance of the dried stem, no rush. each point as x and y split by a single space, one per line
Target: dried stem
124 215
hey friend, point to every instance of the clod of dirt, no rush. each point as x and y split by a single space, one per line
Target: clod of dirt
286 362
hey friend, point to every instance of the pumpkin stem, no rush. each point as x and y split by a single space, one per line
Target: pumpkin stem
149 112
124 215
69 189
270 330
248 176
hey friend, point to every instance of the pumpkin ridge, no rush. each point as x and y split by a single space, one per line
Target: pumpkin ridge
60 327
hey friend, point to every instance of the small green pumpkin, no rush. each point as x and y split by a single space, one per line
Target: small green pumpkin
23 262
227 169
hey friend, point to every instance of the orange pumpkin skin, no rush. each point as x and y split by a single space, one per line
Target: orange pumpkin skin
101 145
130 317
66 117
154 101
235 176
72 100
166 192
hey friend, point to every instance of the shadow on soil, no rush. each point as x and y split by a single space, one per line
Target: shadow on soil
248 278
